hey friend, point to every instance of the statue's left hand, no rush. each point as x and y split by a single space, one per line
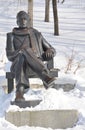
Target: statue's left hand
49 54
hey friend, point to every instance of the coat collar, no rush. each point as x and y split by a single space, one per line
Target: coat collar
18 31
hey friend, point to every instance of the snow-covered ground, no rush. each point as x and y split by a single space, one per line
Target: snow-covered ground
70 43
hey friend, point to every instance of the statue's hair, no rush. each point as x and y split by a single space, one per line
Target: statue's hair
20 13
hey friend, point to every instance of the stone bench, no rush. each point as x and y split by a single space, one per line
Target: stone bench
65 84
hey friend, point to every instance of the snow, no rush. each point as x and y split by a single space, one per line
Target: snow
70 42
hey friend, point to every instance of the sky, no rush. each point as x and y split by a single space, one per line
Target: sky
70 44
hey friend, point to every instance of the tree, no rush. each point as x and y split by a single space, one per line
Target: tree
55 14
30 10
47 7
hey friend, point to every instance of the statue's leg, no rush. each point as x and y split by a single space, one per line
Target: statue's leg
38 66
19 69
22 82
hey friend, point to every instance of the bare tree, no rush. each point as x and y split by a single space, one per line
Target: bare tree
55 14
70 61
79 65
47 8
74 61
30 10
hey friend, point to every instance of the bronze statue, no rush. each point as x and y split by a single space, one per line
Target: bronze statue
26 48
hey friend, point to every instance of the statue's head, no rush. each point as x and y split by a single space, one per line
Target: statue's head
23 19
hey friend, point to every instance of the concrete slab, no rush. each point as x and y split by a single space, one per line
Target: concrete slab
44 118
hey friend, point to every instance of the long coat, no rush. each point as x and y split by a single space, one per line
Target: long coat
18 38
20 42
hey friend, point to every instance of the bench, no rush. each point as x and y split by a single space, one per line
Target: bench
10 76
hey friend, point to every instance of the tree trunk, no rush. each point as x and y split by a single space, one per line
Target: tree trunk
55 14
47 7
30 10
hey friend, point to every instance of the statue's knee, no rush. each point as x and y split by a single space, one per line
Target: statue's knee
21 57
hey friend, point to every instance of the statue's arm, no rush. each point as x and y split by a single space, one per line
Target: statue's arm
10 51
47 46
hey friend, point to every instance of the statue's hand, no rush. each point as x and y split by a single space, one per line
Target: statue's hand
22 48
49 54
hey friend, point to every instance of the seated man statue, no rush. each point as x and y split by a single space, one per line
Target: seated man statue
26 48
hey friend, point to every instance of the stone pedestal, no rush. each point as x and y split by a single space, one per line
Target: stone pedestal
54 119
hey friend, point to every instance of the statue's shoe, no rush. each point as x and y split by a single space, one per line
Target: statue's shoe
49 83
19 94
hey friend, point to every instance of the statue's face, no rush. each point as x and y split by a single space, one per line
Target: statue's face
22 21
